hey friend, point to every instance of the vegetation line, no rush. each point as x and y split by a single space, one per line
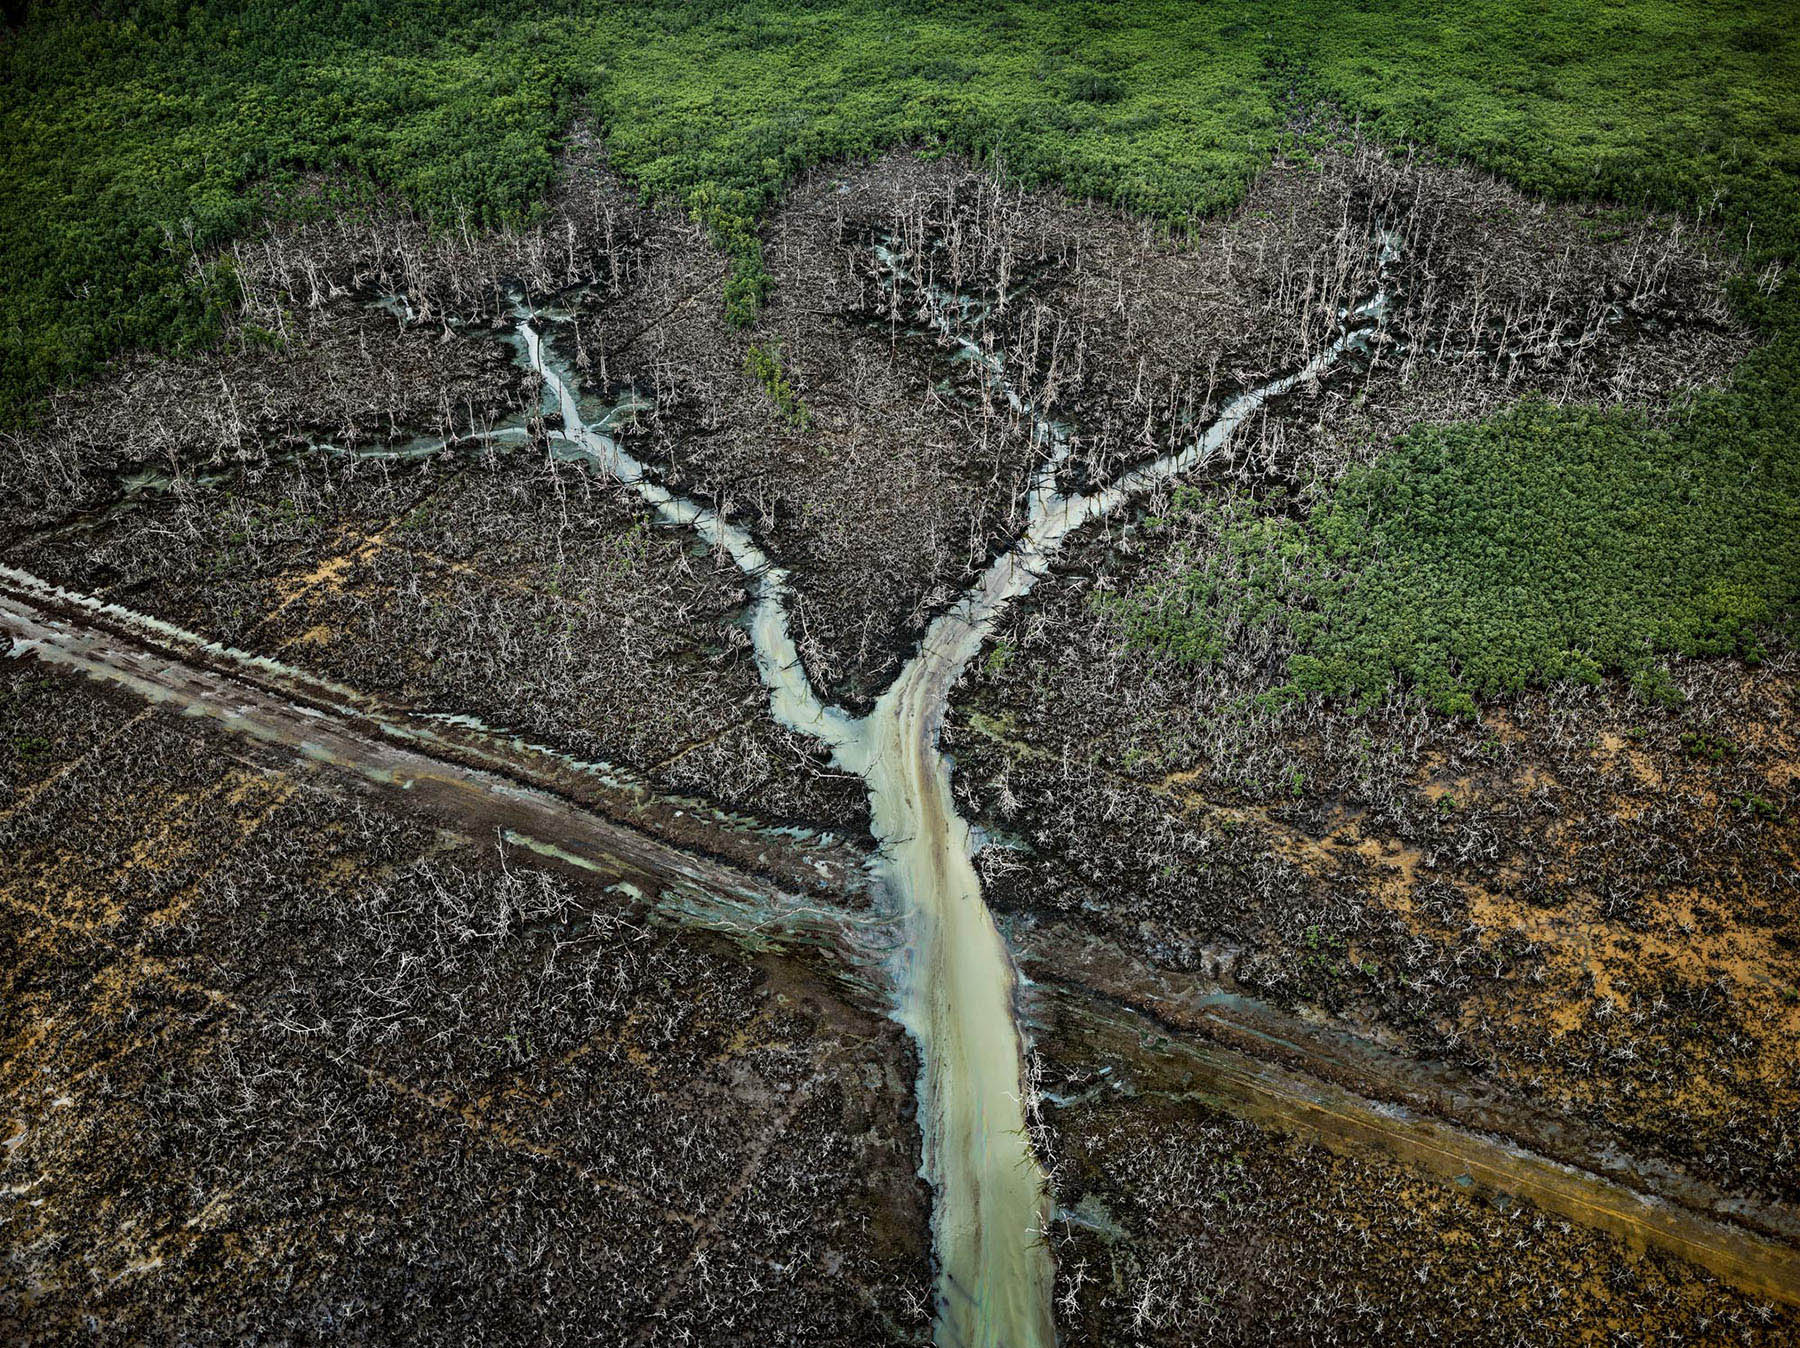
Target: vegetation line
138 139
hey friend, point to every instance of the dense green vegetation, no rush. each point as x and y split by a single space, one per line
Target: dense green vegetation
1472 560
135 137
763 364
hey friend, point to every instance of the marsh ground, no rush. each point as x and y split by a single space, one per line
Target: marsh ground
295 1031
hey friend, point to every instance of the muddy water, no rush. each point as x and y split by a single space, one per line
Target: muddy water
954 978
955 990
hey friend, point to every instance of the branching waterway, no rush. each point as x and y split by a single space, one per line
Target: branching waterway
952 974
954 978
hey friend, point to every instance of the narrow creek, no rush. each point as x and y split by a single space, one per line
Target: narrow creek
954 979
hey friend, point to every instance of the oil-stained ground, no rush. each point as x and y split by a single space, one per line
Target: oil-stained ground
284 1063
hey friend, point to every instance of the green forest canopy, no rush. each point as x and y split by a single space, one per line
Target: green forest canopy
134 138
1473 560
133 135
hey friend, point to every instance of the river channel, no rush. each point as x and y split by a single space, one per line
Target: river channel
954 979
